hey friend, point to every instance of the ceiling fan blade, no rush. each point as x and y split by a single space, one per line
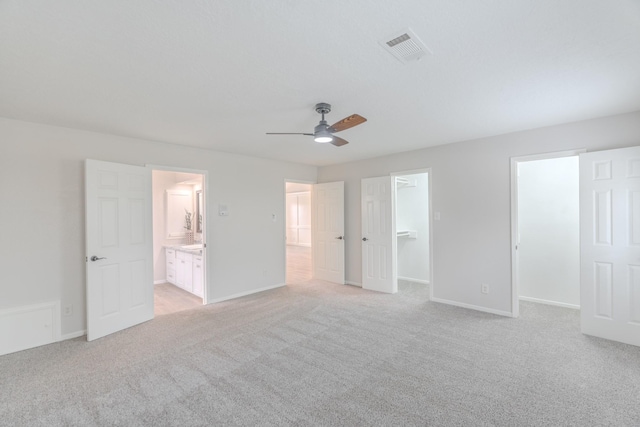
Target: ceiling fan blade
339 142
288 133
346 123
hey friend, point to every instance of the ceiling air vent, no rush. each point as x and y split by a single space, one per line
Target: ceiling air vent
405 46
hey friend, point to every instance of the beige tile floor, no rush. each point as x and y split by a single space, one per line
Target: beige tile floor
171 299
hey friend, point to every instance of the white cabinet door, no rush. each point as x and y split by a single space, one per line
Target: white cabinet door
378 235
328 223
198 276
119 247
184 270
610 244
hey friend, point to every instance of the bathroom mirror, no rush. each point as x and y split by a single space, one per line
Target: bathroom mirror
199 211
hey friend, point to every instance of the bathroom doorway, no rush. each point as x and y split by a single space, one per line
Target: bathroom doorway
298 232
179 243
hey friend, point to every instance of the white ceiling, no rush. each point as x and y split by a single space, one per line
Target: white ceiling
219 74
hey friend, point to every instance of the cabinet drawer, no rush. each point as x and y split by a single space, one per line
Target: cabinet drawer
171 253
171 277
197 258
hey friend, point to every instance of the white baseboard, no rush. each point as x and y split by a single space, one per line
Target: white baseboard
472 307
72 335
353 283
547 302
159 282
244 294
29 326
409 279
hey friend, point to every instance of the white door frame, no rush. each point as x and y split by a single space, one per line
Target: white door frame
515 302
284 222
205 191
395 255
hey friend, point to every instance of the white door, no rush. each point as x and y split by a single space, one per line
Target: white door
378 235
610 244
119 247
328 231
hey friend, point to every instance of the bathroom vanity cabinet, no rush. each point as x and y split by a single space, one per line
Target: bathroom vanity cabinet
185 269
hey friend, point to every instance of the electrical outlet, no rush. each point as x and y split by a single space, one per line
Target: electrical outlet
484 288
68 310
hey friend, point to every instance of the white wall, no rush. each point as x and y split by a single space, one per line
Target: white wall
42 211
549 228
470 184
412 213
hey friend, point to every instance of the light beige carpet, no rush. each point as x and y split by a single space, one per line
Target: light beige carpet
324 354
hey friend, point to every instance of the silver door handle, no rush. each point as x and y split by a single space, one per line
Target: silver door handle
364 239
339 237
95 258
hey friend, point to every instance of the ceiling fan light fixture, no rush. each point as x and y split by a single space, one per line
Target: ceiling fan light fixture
323 137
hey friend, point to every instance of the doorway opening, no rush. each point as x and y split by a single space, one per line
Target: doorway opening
179 224
298 232
546 230
413 231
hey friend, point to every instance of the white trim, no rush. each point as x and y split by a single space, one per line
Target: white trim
159 282
72 335
515 305
472 307
350 283
547 302
409 279
244 294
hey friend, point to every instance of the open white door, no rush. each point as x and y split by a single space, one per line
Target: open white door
378 235
119 247
610 244
327 201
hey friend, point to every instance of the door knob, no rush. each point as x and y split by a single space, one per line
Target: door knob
364 239
95 258
339 237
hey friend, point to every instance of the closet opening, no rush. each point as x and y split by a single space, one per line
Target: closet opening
413 231
298 232
179 224
546 234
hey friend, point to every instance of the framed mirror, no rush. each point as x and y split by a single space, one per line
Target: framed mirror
199 211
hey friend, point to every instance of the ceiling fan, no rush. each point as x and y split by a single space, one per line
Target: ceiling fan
323 132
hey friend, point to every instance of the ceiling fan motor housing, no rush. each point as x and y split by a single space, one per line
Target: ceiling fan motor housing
323 108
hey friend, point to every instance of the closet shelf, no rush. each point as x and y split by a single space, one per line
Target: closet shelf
411 234
404 182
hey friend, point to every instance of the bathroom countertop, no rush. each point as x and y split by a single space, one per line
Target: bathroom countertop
186 248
